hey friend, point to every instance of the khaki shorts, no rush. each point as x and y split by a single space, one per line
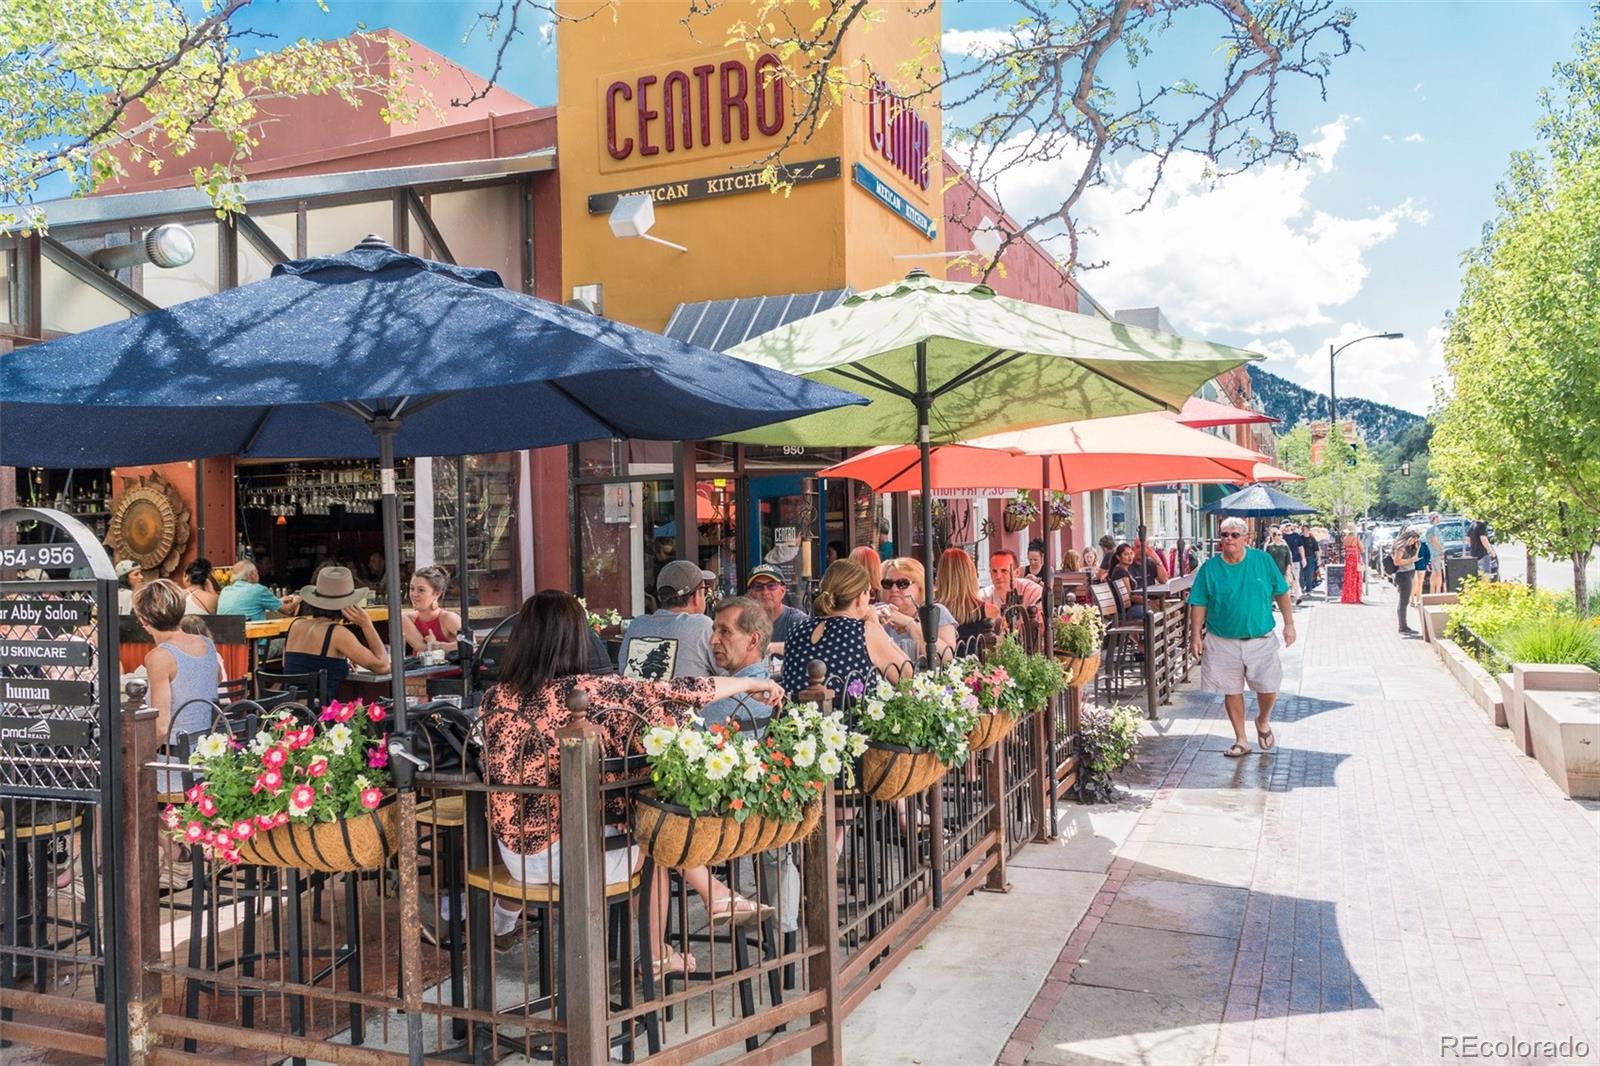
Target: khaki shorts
1230 666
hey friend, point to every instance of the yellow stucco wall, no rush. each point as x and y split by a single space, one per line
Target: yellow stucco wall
822 235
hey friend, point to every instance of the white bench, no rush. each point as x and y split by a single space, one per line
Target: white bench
1566 738
1540 677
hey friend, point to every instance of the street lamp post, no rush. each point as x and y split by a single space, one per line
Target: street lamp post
1333 403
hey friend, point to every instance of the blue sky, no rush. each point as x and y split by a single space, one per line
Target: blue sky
1414 134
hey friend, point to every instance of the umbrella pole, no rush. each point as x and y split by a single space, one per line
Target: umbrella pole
464 636
924 402
402 763
1144 546
1047 759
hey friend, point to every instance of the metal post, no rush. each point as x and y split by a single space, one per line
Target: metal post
1333 403
1047 756
924 404
143 928
464 637
584 964
385 428
114 809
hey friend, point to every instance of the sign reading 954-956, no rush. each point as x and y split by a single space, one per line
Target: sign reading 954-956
40 556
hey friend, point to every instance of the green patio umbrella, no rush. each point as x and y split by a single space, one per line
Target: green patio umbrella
946 361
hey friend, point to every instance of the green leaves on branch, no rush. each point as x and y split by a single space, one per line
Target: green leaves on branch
100 89
1338 489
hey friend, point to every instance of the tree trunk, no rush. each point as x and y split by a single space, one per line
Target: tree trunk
1580 583
1533 570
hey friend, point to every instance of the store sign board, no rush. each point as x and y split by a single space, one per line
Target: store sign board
898 133
886 195
46 732
659 115
61 614
40 556
46 691
46 652
727 183
618 504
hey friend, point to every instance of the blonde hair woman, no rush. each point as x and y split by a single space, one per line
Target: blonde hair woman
905 590
845 635
956 590
868 560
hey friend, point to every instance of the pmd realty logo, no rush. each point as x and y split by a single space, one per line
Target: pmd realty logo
38 732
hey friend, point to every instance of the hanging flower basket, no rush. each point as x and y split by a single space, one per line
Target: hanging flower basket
672 836
360 842
891 772
1060 509
1079 671
991 729
1020 512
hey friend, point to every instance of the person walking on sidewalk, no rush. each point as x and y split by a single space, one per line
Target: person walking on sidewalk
1404 554
1231 603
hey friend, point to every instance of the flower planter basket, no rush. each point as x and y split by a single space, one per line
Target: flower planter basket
1056 522
364 842
1015 522
992 728
672 836
1079 671
891 772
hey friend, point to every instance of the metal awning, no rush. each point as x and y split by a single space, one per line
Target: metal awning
721 324
167 203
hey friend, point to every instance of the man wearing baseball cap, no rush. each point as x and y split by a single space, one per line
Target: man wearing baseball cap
676 640
766 586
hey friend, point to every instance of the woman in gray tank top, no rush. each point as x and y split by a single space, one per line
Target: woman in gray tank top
183 669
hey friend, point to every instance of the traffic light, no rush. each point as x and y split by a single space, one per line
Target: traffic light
1352 460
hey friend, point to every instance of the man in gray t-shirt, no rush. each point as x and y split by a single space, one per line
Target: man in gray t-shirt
676 640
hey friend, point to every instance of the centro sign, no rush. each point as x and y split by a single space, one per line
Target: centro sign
705 106
898 133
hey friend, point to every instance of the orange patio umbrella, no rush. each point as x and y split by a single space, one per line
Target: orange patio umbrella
1101 453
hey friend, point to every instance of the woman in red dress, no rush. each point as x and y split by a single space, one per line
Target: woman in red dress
1353 565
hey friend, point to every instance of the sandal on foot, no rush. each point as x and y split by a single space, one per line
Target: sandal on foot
1267 738
675 963
738 910
1238 751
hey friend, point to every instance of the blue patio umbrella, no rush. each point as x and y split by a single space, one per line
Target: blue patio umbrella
373 354
1258 501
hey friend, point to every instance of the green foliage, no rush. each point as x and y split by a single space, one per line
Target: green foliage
931 711
721 771
1492 609
1079 631
1556 640
1518 437
96 88
1400 494
1108 737
1037 677
1338 490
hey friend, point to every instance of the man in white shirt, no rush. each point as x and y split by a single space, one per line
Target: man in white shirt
1009 587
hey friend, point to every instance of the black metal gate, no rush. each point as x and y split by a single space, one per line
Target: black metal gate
61 818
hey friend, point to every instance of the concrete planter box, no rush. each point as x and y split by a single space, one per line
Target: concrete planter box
1539 677
1434 618
1508 692
1473 679
1566 738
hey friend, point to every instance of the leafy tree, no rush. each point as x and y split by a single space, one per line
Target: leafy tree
1341 483
1400 494
1518 438
92 88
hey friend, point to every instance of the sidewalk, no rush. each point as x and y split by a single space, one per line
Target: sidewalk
1395 873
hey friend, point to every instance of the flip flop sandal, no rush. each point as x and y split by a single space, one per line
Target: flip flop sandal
1238 751
1267 738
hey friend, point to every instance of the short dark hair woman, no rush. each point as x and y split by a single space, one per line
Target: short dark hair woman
201 588
546 660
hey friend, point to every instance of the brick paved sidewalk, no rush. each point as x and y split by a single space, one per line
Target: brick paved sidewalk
1395 874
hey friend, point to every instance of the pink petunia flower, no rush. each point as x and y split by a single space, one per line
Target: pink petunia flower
376 713
208 806
243 830
195 792
301 798
378 758
264 821
194 832
347 711
371 797
317 767
281 818
272 781
274 757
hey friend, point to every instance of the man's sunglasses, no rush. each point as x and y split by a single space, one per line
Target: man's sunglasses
760 586
895 583
1228 536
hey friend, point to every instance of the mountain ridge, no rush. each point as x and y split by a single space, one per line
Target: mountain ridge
1293 404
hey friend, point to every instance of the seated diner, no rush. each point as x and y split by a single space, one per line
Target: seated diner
321 639
427 621
845 635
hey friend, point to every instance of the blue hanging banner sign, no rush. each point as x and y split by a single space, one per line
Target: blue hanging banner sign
885 194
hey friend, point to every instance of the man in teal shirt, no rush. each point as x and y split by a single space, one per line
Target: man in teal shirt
1231 604
247 596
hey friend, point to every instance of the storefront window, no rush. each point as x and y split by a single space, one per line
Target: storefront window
716 514
493 566
1117 516
70 306
331 230
624 458
626 534
483 229
280 229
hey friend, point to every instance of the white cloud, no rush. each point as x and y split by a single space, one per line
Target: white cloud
1249 253
1413 138
974 42
1400 372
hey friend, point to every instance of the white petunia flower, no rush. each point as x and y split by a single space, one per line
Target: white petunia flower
858 743
753 771
693 744
719 764
828 762
805 752
340 737
262 741
658 740
212 746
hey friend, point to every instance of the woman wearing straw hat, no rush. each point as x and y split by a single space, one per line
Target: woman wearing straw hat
319 641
